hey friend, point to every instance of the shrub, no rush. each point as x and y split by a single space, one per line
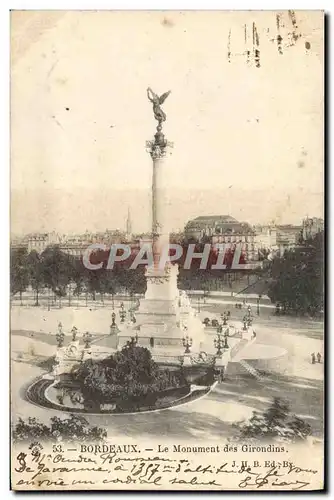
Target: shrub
277 423
128 378
72 428
30 429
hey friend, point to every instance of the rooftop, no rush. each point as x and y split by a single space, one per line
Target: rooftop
217 218
223 223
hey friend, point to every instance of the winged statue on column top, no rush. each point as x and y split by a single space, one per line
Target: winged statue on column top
159 114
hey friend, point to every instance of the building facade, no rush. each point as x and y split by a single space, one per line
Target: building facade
73 244
223 229
288 236
277 238
312 226
257 241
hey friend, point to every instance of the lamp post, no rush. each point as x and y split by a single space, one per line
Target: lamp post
74 332
187 343
218 343
122 313
60 339
258 304
87 338
224 317
226 346
60 336
113 326
69 293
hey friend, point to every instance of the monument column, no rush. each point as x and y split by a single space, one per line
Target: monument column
160 229
159 320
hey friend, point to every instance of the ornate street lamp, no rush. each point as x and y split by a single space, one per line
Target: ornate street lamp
122 313
74 332
113 326
218 343
226 346
70 288
60 339
60 336
224 317
87 338
187 343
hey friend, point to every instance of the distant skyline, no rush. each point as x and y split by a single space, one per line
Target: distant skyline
186 204
247 142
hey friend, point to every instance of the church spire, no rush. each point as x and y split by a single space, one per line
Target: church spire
128 225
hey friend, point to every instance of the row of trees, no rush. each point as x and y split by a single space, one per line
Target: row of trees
56 270
297 278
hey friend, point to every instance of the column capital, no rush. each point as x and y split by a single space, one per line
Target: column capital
158 146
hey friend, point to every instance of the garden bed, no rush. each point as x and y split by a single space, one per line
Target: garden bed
36 394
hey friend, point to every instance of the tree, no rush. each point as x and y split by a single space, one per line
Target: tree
36 272
135 281
19 275
277 422
78 276
73 428
297 277
57 270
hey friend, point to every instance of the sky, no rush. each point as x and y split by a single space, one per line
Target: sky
247 141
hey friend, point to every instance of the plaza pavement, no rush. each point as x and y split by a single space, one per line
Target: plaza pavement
210 418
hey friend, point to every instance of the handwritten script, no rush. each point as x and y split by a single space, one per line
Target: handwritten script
70 469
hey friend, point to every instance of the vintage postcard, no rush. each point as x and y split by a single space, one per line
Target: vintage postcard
167 241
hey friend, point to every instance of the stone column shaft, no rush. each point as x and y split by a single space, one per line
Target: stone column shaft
159 208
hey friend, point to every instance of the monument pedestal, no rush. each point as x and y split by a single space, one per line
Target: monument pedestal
157 319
